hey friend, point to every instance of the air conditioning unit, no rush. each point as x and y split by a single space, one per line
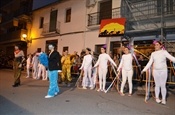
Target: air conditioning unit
90 3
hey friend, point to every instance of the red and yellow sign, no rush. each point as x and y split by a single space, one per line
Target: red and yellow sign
112 27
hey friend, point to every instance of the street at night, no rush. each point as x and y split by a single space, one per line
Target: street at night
28 99
130 43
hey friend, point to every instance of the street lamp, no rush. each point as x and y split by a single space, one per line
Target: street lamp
25 38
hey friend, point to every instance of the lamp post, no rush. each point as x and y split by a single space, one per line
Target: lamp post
25 38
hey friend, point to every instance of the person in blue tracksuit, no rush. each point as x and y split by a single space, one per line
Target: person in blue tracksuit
54 65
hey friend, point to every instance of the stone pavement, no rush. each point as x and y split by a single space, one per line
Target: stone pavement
28 99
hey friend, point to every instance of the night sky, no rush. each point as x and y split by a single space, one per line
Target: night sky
40 3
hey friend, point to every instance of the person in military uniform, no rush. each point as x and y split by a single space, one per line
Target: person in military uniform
17 65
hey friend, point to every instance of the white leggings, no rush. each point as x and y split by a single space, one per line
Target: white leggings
42 70
28 71
160 78
35 71
102 78
125 75
87 74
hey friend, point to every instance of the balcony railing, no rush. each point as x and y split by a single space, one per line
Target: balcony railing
15 14
47 30
145 13
12 36
147 9
95 18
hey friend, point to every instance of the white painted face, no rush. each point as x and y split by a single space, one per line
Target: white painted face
51 47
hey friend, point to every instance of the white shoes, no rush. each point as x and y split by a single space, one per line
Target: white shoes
91 88
163 102
102 90
122 94
84 87
158 100
56 94
48 96
105 91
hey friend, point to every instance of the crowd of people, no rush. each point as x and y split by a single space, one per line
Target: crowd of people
53 66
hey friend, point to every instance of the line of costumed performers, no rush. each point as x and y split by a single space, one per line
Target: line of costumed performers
98 72
94 71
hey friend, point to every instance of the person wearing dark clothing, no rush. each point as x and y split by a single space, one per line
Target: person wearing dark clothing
17 65
54 66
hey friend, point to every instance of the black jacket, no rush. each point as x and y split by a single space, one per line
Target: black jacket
55 61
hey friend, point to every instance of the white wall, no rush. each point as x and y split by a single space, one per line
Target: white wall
78 10
39 43
74 42
79 19
78 14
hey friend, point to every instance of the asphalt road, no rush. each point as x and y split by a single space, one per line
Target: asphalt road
28 99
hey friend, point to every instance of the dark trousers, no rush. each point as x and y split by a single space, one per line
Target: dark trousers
17 72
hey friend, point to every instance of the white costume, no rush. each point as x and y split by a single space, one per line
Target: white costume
35 62
102 62
158 59
42 70
28 66
127 71
87 67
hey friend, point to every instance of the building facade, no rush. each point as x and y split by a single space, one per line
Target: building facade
15 21
74 24
67 24
62 23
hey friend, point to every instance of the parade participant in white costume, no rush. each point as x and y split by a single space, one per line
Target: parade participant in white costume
158 60
87 68
41 69
28 65
102 63
127 70
35 62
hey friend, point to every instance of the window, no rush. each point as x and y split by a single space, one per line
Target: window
68 15
65 48
41 22
38 50
169 6
159 7
53 21
105 10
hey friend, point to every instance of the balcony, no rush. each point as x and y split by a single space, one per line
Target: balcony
51 30
15 14
94 19
143 15
146 15
147 9
12 36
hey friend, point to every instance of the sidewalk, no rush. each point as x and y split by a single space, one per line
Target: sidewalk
28 99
